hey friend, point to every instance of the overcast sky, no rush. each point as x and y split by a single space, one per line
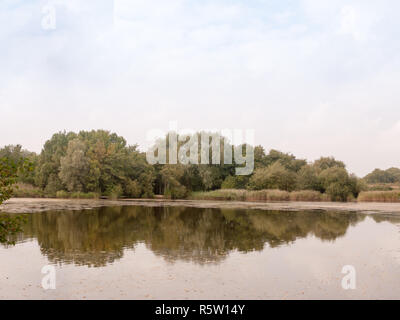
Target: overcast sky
311 77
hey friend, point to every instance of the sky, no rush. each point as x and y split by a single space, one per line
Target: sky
313 78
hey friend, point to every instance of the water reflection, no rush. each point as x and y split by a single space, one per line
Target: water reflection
100 236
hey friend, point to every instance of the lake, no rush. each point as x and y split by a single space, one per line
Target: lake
139 252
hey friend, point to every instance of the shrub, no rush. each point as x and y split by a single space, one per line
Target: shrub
276 176
23 190
176 192
229 183
307 179
62 194
53 185
338 192
92 195
338 184
235 182
114 192
133 189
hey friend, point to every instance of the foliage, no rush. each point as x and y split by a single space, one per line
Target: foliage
15 154
276 176
74 166
328 162
338 184
10 226
24 190
133 189
8 177
90 164
9 172
96 162
172 178
391 175
235 182
307 178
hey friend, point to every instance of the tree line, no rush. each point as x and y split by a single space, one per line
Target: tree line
101 163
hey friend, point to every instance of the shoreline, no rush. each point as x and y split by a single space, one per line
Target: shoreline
32 205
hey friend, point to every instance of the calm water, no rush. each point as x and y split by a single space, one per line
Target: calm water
179 253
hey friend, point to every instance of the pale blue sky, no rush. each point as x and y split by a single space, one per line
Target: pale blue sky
311 77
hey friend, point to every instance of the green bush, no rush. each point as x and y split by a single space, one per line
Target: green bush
338 184
235 182
276 176
114 192
62 194
338 192
176 192
133 189
23 190
307 179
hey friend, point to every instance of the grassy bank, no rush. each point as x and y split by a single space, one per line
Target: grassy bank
22 190
29 191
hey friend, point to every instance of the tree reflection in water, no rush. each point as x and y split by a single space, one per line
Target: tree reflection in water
100 236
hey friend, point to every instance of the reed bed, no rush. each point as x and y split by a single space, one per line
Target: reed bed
261 195
309 196
379 196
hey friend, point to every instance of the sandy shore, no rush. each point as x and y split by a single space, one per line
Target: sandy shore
25 205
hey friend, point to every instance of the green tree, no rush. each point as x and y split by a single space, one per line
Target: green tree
391 175
49 163
235 182
94 161
8 177
16 154
337 183
324 163
395 173
172 176
276 176
307 179
74 169
287 160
